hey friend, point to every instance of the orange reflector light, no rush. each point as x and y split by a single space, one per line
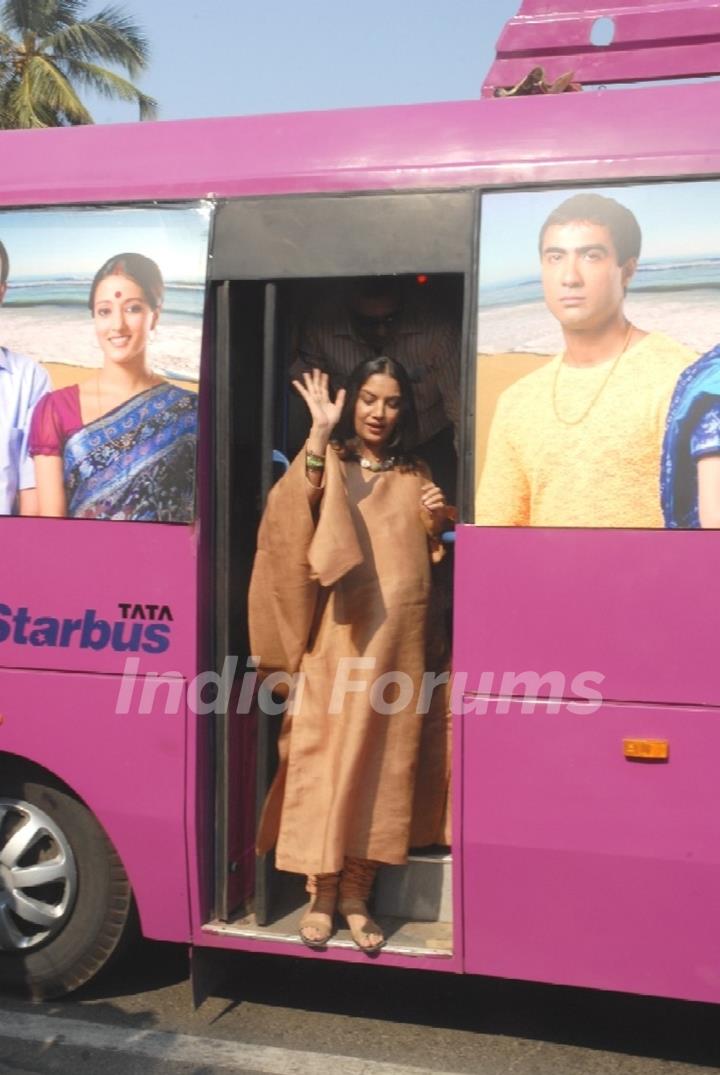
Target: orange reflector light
421 278
651 749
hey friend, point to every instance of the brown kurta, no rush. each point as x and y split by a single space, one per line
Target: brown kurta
356 585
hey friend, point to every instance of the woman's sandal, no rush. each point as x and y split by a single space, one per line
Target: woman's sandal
368 928
318 917
323 889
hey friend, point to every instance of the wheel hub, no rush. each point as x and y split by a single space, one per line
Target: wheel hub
38 876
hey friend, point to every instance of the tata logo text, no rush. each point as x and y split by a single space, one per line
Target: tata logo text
130 632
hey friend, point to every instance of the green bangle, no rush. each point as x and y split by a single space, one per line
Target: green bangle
314 462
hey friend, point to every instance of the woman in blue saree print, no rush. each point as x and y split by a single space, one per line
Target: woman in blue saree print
121 445
690 473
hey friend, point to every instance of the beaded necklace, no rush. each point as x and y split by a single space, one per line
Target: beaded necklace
386 464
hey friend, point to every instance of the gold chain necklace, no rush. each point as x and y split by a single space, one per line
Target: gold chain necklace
601 389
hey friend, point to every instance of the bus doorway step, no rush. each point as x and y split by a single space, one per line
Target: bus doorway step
404 937
420 891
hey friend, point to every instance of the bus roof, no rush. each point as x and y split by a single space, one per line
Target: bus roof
596 135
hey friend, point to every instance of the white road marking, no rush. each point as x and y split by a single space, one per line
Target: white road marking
191 1049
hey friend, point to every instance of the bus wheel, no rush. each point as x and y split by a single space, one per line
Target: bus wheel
65 900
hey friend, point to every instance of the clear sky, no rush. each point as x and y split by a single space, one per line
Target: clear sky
75 242
237 57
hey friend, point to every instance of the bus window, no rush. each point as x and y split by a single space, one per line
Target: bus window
593 303
114 412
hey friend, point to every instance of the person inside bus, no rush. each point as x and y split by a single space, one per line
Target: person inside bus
22 384
121 445
387 316
578 441
690 473
340 590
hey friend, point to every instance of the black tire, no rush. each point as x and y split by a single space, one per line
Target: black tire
100 914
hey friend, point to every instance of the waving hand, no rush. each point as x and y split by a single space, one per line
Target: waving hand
325 413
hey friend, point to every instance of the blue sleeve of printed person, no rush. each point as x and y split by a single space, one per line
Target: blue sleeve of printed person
691 433
37 385
705 437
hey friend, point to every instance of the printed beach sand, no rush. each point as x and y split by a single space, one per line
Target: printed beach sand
58 336
692 317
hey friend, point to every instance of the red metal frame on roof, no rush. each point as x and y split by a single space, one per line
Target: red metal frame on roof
653 39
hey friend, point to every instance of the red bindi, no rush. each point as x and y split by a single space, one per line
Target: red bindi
118 294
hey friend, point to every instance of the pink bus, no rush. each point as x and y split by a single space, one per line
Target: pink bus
586 840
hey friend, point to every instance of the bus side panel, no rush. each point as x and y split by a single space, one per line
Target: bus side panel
90 611
584 867
637 607
581 865
128 768
103 593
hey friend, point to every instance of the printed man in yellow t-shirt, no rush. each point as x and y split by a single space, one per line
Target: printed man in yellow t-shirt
578 441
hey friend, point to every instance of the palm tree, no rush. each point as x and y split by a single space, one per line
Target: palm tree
48 50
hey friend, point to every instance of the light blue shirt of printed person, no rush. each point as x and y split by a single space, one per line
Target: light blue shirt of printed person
22 383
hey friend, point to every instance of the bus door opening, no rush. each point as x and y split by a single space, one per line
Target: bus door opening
279 332
270 331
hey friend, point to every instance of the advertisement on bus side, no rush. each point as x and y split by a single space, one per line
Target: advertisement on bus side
100 336
598 370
